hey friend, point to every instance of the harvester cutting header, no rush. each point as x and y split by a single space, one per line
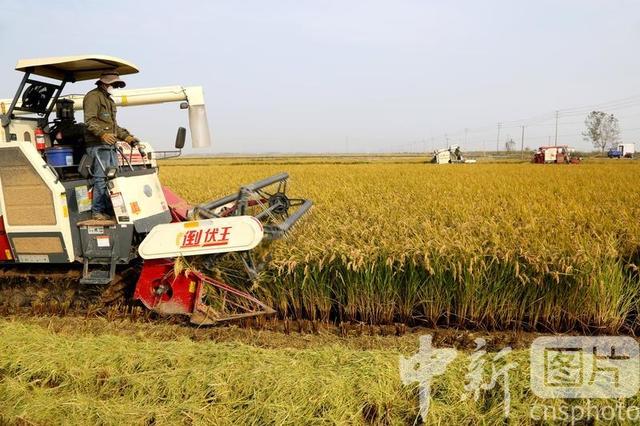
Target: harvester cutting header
46 180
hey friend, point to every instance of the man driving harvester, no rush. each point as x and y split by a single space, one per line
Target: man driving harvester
101 135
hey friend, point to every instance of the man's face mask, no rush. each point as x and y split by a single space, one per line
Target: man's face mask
110 90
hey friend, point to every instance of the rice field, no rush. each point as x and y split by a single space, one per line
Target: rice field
485 247
489 245
91 371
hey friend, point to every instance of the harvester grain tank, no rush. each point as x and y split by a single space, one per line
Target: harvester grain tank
555 155
45 186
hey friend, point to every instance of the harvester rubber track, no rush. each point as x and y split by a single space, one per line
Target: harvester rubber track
57 290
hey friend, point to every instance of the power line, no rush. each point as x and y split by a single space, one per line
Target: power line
630 99
537 121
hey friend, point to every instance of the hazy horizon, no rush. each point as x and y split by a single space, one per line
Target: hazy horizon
366 77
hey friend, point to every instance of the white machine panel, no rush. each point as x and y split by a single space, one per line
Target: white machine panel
209 236
137 197
550 155
627 149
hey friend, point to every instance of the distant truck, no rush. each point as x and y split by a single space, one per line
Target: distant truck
624 150
555 154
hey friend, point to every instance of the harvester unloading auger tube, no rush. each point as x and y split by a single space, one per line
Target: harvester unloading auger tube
174 253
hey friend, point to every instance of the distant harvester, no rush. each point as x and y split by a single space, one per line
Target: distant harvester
453 154
555 154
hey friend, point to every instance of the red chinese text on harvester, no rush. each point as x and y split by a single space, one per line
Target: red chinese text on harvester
206 237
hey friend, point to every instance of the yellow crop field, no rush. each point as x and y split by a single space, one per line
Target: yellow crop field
486 247
503 246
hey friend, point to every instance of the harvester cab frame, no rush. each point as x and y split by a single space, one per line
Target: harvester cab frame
45 204
34 100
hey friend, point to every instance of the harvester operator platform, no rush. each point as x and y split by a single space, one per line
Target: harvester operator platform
101 135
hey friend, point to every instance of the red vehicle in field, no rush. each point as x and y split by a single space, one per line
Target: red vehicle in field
555 154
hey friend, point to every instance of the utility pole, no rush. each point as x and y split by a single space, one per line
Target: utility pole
498 138
466 131
522 143
446 137
556 137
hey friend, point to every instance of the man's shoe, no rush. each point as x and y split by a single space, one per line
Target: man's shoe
100 216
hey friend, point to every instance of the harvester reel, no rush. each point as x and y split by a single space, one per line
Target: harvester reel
280 203
266 200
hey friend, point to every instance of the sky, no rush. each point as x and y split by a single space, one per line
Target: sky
353 76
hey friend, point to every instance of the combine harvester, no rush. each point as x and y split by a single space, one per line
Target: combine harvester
555 155
449 155
45 182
